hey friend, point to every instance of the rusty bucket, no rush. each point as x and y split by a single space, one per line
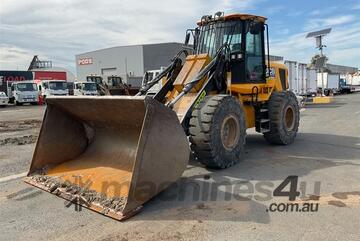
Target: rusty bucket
110 153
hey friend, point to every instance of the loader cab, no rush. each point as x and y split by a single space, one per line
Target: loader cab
245 37
96 79
114 80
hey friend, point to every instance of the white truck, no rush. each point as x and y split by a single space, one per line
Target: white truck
23 92
150 75
52 87
350 83
85 88
331 82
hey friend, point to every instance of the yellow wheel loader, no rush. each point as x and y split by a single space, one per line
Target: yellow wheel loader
114 153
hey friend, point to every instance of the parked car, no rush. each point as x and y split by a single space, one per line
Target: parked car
4 100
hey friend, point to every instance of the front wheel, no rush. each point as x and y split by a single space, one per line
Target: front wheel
218 131
284 118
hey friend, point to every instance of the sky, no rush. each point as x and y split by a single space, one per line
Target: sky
57 30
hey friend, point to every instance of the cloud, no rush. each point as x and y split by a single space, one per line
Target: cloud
59 29
324 11
343 46
332 21
274 9
12 57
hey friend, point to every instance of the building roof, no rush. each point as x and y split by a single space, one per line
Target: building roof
340 69
129 46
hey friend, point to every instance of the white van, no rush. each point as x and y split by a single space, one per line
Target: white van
22 92
52 87
85 88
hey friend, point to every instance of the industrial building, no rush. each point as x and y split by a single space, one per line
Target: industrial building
128 62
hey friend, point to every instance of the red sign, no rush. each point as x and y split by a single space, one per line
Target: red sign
50 75
85 61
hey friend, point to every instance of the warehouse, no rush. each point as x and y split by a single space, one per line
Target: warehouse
128 62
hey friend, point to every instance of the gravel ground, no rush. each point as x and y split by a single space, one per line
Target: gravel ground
326 153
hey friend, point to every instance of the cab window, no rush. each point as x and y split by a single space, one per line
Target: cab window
255 67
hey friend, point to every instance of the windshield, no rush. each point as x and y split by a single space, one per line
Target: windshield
26 87
96 79
57 85
89 86
115 80
214 35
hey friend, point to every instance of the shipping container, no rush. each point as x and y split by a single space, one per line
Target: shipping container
331 81
7 77
297 77
302 75
351 83
311 82
353 79
50 75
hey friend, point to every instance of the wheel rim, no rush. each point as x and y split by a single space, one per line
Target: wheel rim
289 118
230 132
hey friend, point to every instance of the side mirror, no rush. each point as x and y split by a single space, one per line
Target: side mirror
255 27
187 38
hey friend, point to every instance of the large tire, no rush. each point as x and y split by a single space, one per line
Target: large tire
284 118
218 131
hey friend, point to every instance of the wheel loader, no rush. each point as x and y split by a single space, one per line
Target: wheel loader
112 154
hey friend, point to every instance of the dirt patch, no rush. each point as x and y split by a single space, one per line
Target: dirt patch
23 140
11 126
337 203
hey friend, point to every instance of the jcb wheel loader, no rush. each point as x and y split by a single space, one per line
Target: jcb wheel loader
114 153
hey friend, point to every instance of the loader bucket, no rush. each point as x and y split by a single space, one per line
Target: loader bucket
110 154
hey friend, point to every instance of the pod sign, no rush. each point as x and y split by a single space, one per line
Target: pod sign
85 61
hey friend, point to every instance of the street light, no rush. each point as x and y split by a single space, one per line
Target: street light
320 63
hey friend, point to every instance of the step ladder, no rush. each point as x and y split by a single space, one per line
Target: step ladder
262 122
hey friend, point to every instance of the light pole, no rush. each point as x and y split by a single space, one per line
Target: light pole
320 62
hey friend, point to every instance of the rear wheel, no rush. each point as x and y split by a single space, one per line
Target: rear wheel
217 131
284 118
